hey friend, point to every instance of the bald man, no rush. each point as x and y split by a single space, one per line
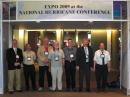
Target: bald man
101 67
42 53
84 61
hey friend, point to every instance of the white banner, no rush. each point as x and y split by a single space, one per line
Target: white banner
64 10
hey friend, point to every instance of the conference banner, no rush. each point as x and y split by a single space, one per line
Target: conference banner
64 10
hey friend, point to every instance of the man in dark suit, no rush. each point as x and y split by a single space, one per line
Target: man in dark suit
84 60
14 59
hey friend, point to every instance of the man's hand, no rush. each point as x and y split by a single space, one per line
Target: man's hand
77 68
46 61
109 69
16 64
92 69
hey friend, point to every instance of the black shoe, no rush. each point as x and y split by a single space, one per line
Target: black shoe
11 92
34 89
59 90
88 90
103 90
98 90
74 90
80 90
68 89
18 90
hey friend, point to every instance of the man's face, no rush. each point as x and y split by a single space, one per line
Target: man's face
45 41
14 43
28 47
85 42
56 45
70 43
102 46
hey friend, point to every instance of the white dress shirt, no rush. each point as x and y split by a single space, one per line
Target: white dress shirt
86 53
102 54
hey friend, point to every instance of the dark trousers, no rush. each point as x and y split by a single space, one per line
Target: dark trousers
101 76
84 73
42 71
70 70
29 73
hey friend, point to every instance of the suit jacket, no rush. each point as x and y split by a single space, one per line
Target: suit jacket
81 57
11 58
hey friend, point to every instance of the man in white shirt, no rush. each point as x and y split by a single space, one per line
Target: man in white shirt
101 66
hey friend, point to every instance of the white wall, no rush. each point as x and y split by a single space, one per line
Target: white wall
1 53
125 68
128 71
124 61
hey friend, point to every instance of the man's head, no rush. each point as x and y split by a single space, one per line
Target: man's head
70 43
102 46
85 42
45 41
56 45
14 43
28 47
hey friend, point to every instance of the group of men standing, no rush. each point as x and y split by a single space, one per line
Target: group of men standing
51 60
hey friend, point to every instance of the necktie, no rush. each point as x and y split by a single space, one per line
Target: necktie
103 56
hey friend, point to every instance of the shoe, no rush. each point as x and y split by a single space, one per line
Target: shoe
74 90
103 90
26 89
88 90
59 91
67 89
50 88
40 89
18 90
80 90
11 92
98 90
34 89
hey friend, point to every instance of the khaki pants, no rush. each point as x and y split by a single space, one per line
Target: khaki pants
14 79
56 73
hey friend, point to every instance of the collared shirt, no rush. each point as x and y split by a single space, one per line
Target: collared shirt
99 55
42 54
70 53
29 57
56 57
15 50
17 56
86 53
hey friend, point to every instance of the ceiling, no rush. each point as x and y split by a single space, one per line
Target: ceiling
67 25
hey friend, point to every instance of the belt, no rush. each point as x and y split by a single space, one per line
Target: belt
102 64
70 60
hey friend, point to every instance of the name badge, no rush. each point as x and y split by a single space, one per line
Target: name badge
86 56
102 56
17 56
57 58
71 56
29 59
46 53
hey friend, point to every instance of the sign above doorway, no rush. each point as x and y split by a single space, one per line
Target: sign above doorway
64 10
